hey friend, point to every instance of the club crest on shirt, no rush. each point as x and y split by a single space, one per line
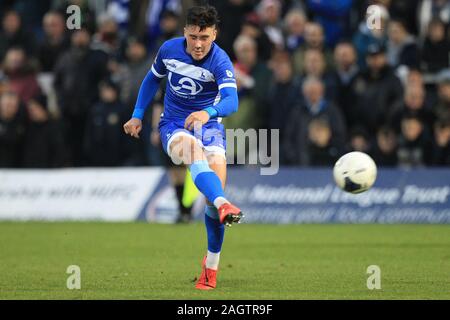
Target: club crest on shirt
184 85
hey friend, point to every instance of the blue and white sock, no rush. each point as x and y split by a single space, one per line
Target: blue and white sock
207 182
215 232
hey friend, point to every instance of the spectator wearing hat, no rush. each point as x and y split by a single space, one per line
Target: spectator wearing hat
43 142
378 90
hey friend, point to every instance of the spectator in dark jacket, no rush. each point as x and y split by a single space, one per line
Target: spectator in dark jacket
415 143
252 27
13 34
77 75
295 22
108 39
314 40
359 140
436 48
104 141
384 152
414 104
283 93
135 69
269 13
441 147
321 150
129 79
12 130
55 42
346 70
402 49
231 22
43 141
316 66
442 107
378 90
312 106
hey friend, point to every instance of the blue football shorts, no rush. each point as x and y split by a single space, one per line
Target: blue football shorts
211 137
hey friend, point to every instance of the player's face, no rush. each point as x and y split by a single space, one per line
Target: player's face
199 42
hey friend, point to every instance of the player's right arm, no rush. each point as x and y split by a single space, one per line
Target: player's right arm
147 92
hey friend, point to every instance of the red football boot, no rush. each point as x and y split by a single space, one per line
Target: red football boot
207 280
229 214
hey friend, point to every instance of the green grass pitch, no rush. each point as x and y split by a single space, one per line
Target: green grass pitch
154 261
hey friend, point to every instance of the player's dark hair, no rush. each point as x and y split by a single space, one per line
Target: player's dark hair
202 17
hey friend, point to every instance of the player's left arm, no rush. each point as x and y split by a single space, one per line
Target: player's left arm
226 83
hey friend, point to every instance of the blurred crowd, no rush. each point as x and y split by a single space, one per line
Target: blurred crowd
321 71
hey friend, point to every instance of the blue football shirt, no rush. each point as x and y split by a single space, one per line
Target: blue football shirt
191 85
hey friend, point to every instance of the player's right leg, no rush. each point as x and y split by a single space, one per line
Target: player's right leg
184 149
215 230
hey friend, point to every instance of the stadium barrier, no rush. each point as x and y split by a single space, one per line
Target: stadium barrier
292 196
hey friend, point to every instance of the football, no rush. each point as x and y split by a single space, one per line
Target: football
355 172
